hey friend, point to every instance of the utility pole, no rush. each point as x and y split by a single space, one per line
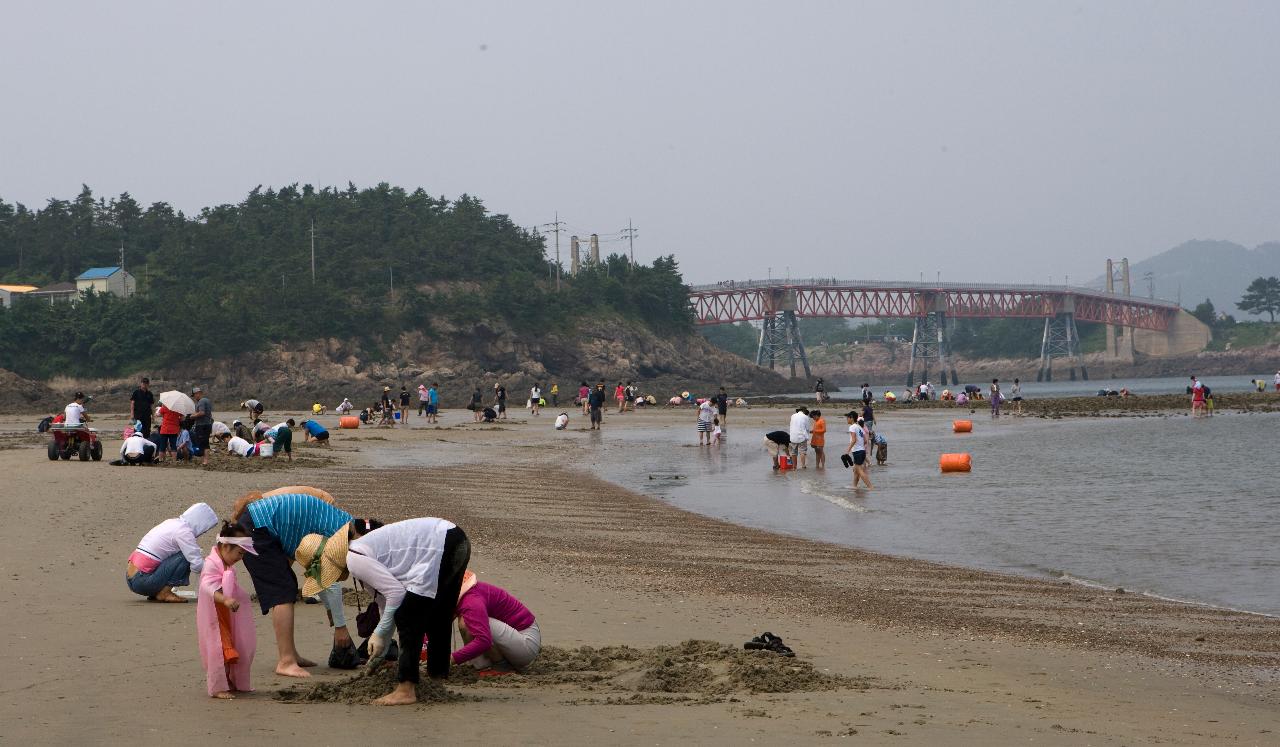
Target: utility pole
631 233
313 252
556 227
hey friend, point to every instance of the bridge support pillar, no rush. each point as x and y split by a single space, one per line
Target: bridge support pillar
1060 340
780 343
929 342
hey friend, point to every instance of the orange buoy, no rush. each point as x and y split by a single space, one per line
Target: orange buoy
961 426
955 462
349 421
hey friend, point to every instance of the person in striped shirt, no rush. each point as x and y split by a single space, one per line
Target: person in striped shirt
277 523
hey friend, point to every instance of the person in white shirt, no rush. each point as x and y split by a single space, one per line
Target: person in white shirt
857 449
345 407
75 414
799 431
220 431
240 446
562 421
535 398
415 568
137 449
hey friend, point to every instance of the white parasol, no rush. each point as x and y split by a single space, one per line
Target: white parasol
178 402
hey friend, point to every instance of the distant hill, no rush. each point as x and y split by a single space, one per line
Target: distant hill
1196 270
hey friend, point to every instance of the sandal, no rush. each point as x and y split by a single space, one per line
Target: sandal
759 642
778 647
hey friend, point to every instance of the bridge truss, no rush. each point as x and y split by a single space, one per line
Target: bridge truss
778 303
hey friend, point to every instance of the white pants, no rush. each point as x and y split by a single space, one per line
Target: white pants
518 647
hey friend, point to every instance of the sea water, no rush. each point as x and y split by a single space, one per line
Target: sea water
1171 506
1064 387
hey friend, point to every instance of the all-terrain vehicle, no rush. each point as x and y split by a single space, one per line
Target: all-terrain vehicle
68 440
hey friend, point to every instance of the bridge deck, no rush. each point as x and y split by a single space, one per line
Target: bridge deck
734 301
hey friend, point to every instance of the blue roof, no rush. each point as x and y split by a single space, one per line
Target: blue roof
98 273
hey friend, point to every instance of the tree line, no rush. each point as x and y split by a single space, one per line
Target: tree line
235 278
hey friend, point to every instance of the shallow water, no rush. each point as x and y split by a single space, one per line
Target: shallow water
1188 509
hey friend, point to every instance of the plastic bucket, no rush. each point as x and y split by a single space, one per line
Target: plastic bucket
349 421
955 462
961 426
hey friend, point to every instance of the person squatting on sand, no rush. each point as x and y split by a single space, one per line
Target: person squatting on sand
498 631
277 522
415 568
224 624
168 553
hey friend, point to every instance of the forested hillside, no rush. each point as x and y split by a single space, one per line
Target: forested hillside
235 278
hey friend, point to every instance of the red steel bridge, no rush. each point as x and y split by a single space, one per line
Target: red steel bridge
777 303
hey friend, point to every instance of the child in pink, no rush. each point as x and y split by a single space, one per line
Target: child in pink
224 623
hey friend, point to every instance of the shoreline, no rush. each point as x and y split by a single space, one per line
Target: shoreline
953 655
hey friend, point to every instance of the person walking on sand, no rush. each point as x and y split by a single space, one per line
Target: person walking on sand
424 399
595 405
167 554
1277 380
996 398
1016 397
224 624
404 405
705 415
277 524
415 568
584 397
535 398
142 404
799 434
818 439
620 394
857 450
476 406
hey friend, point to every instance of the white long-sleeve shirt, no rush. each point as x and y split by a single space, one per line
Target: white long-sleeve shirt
135 445
399 558
800 425
176 535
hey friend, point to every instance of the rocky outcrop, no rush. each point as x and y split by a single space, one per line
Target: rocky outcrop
459 358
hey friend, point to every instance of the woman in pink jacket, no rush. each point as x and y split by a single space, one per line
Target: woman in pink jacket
498 631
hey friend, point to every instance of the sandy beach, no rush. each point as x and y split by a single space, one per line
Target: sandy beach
889 650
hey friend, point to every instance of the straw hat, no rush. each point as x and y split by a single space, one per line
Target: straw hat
323 560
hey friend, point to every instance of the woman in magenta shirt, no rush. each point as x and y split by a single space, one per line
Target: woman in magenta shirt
495 627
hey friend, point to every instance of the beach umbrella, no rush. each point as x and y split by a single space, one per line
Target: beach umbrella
178 402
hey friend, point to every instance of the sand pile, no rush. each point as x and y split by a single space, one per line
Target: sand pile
691 672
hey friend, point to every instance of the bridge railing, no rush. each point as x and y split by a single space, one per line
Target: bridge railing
737 285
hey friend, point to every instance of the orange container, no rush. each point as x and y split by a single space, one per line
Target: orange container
349 421
955 462
961 426
784 462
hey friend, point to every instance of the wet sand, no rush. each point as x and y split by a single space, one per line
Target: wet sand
915 653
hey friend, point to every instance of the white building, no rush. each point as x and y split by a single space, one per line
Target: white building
107 280
7 293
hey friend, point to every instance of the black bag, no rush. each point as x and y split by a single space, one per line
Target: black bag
367 620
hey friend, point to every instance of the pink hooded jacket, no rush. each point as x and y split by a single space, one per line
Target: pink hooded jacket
213 577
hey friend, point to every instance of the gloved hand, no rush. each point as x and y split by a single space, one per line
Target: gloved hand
377 646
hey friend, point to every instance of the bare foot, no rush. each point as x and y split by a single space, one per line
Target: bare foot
225 695
400 696
291 670
167 595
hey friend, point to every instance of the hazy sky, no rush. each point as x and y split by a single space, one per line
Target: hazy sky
1008 141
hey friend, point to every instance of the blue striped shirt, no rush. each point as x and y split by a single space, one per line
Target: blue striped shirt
292 516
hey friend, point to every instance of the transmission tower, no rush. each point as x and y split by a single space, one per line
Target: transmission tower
556 226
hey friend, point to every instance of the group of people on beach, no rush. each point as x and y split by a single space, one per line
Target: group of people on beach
417 570
185 436
808 429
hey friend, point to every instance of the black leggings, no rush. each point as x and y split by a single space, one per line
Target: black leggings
419 615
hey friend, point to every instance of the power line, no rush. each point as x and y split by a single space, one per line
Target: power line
630 233
556 227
